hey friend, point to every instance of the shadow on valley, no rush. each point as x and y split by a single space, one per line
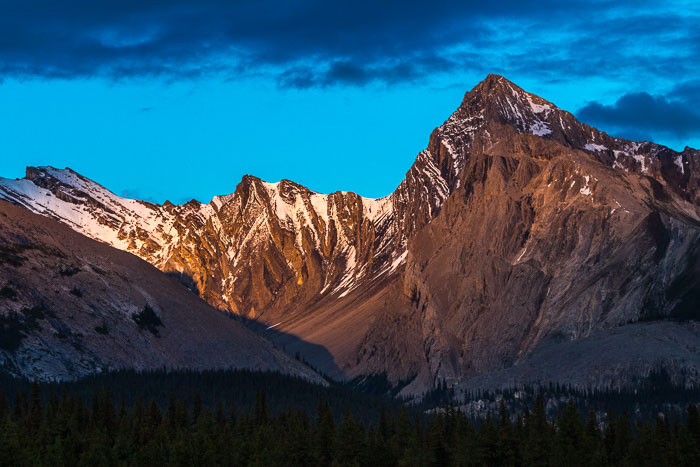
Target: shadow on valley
313 355
186 280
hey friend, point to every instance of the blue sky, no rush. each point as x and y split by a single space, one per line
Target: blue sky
178 99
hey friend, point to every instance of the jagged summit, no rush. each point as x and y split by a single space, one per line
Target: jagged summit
493 86
495 104
65 176
498 100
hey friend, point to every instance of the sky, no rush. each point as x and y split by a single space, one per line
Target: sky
178 99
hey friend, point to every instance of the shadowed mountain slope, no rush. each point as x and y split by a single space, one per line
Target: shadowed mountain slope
72 306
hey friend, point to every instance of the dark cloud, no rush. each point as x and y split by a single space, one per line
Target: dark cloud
688 91
322 43
642 116
624 46
349 72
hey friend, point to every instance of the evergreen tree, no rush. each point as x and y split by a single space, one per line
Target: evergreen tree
622 440
507 443
538 448
694 423
569 439
593 449
35 411
3 406
349 444
10 443
489 452
405 439
436 437
107 416
196 406
323 437
261 411
686 448
296 449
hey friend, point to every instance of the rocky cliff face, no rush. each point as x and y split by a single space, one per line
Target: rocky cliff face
517 224
540 243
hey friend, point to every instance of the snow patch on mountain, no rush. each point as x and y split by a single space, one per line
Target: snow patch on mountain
538 108
586 190
678 160
540 128
595 147
91 209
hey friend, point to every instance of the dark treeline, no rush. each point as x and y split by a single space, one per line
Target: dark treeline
642 400
232 388
65 430
237 388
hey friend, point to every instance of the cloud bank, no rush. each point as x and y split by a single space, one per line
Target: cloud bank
313 43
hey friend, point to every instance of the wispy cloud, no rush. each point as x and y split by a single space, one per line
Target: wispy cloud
643 116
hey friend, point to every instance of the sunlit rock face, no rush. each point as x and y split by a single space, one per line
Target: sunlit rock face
517 224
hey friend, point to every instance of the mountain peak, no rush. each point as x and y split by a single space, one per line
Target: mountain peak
496 99
494 82
495 87
495 106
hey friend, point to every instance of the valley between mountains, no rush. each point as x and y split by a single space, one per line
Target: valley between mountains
522 246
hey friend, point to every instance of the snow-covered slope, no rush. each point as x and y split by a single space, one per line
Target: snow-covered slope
136 226
218 243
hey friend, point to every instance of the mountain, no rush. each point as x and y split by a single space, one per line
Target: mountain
72 306
517 230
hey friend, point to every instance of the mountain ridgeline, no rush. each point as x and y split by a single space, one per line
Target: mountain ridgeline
522 246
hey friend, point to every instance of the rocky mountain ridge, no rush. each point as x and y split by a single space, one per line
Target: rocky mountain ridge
513 207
